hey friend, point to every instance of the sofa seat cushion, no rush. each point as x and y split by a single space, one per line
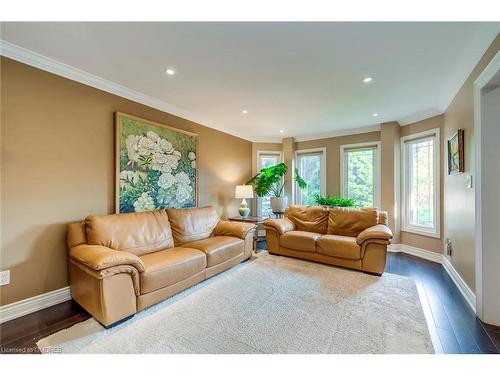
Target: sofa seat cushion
339 246
299 240
219 248
167 267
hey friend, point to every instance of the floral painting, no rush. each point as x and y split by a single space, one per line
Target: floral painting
156 165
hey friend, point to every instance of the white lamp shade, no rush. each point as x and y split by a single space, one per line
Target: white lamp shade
243 191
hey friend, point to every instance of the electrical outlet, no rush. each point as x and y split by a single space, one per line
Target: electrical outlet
449 250
5 277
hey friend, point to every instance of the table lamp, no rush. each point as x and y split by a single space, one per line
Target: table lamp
242 192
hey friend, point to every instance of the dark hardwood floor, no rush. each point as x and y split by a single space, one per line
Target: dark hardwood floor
453 326
20 335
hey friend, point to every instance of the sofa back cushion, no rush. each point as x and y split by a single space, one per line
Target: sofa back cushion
138 233
77 234
346 221
308 218
192 224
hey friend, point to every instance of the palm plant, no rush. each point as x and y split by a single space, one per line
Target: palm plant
270 181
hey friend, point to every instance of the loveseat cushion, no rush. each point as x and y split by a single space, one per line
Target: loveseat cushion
167 267
219 249
339 246
308 218
346 221
192 224
138 233
299 240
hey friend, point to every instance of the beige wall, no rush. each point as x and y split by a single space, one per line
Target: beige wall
459 222
57 166
289 147
416 240
389 174
332 146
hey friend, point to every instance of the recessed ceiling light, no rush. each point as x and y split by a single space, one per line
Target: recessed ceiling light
244 111
375 114
367 79
170 72
282 131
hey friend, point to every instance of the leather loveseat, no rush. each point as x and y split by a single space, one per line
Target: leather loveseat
120 264
346 237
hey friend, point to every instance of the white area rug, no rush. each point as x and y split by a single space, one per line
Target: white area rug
271 304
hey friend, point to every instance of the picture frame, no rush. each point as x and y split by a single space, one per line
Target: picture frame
156 165
456 163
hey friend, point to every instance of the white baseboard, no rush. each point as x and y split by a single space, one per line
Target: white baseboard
462 286
29 305
42 301
415 251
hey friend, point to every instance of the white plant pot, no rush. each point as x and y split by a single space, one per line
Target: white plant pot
279 204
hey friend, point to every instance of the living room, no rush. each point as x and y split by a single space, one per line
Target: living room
249 187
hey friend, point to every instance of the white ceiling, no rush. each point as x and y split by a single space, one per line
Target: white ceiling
304 78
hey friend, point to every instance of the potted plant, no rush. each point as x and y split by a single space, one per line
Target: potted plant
335 201
270 181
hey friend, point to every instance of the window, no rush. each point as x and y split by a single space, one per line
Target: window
266 159
420 205
311 167
360 173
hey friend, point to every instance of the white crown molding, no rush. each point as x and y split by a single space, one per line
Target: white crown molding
462 286
267 140
28 57
338 133
36 303
420 117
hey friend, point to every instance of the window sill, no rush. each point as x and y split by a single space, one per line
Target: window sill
421 233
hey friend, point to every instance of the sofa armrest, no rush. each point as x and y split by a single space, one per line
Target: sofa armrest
100 257
379 232
233 228
280 225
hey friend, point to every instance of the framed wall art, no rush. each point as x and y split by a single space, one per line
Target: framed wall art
155 165
456 153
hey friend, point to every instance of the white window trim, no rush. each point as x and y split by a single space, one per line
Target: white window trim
405 227
322 188
376 169
259 153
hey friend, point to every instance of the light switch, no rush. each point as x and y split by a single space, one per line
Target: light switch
469 181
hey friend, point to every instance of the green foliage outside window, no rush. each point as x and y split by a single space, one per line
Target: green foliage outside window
360 177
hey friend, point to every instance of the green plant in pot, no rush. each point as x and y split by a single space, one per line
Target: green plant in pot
335 201
270 182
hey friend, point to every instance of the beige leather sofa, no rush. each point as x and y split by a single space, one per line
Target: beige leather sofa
346 237
120 264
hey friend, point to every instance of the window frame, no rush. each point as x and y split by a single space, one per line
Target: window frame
322 168
258 200
376 169
435 232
